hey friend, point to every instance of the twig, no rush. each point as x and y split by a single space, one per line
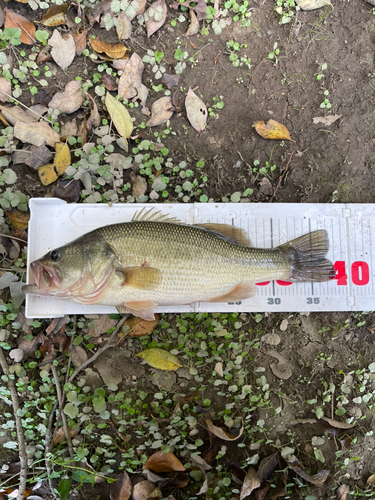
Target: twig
12 237
20 434
109 344
48 446
282 176
247 164
61 410
27 33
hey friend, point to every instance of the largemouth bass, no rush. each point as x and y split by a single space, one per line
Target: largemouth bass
154 260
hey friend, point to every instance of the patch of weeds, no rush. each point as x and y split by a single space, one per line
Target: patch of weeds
326 104
180 56
154 58
217 105
286 10
234 56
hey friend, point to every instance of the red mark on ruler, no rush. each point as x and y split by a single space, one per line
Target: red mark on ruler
360 274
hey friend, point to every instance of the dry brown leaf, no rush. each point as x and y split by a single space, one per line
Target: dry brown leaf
312 4
13 20
265 186
44 55
326 120
180 404
2 17
139 185
19 220
194 24
250 483
29 346
82 131
268 466
200 8
141 4
68 129
62 158
196 111
170 81
174 480
112 50
120 64
60 437
39 156
99 9
163 462
5 90
121 489
47 174
55 15
63 49
155 16
109 82
123 27
93 119
13 114
160 111
38 134
342 492
145 490
80 40
132 73
222 433
67 190
78 355
70 100
272 130
338 425
318 479
139 327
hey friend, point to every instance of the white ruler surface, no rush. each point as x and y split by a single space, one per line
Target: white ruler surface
351 229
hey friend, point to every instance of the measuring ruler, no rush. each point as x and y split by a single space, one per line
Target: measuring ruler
351 230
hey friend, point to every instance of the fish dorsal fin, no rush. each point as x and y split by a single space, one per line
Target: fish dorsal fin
236 234
153 215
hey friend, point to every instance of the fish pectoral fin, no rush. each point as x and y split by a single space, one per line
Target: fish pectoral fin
145 278
142 309
234 234
241 291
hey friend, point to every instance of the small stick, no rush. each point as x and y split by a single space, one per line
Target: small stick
109 344
12 237
282 176
27 33
61 410
20 434
48 446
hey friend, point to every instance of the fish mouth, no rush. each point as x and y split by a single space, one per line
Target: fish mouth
47 279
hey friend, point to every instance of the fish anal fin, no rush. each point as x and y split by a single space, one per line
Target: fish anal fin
241 291
145 278
236 234
142 309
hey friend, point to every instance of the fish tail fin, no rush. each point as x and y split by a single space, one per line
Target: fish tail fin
307 257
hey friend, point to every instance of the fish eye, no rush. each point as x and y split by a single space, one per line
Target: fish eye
54 255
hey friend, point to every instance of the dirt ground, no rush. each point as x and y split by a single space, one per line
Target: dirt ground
320 366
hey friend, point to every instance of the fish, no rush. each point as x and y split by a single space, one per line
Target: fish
154 260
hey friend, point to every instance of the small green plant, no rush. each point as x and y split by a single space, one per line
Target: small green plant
326 104
286 9
320 75
235 59
154 59
11 36
274 54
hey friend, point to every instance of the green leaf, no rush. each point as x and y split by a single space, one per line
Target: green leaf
179 54
319 455
71 410
64 488
99 404
41 35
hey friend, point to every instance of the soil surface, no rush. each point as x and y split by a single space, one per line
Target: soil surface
277 375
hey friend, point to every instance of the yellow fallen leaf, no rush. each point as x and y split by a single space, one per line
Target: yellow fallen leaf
272 130
55 15
19 220
62 157
113 50
47 174
162 360
120 116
